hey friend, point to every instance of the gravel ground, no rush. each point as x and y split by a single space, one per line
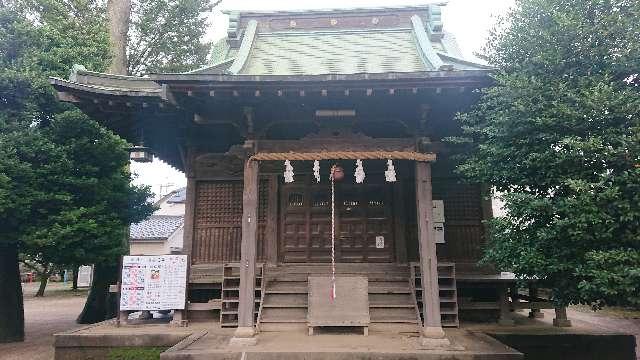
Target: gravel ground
55 312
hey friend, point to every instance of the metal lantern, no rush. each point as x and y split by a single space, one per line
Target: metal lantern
140 153
337 173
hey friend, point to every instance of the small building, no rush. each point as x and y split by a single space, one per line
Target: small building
162 232
288 96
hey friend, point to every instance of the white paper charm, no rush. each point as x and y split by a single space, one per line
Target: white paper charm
390 174
359 174
288 172
316 170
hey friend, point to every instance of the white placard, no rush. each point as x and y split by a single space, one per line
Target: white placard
153 282
379 242
85 275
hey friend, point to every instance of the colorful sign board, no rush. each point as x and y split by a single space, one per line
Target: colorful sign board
153 282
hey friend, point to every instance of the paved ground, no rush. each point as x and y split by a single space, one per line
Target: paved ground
58 310
55 312
590 319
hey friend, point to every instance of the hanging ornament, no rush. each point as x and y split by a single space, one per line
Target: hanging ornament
337 173
288 172
316 170
359 173
390 174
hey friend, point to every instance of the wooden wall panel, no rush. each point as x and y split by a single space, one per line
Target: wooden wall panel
218 215
464 231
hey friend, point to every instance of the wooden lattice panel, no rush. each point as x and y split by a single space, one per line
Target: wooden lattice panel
218 216
218 203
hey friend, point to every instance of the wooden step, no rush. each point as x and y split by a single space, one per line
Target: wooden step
393 315
285 301
287 287
390 300
389 287
282 315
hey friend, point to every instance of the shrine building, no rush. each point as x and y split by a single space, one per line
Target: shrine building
290 101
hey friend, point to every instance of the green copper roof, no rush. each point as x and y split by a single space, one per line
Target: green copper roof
337 52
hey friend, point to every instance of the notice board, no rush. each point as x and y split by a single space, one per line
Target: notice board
153 282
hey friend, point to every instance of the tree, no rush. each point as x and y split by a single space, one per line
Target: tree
168 35
559 135
119 15
49 189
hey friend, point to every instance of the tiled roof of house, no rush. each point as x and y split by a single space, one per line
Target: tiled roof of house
178 196
156 227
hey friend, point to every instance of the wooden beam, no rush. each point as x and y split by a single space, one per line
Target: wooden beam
248 245
432 326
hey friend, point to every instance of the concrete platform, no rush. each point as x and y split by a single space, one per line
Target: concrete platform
206 340
466 345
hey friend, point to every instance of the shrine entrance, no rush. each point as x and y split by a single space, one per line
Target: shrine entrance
364 221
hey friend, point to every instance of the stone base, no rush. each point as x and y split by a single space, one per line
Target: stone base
536 314
179 323
236 341
434 344
244 336
561 322
433 332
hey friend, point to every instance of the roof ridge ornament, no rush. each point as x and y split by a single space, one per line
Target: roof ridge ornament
245 47
426 50
73 75
434 22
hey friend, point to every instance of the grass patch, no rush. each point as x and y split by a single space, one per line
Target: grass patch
136 353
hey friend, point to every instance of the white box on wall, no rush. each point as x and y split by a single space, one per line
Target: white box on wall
438 211
438 221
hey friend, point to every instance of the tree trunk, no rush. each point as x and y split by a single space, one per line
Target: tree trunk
100 305
44 279
119 16
74 286
11 307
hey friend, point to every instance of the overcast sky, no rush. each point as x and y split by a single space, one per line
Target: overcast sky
469 20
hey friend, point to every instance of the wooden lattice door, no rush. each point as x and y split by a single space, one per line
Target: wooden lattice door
364 222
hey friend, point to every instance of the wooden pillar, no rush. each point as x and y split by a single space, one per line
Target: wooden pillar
505 309
189 217
432 327
399 220
533 294
244 334
271 231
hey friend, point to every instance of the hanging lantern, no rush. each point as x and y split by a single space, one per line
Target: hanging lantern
140 153
337 173
316 170
288 172
359 173
390 174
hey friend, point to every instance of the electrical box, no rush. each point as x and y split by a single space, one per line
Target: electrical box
438 221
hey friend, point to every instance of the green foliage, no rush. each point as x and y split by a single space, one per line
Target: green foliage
66 193
136 353
559 136
167 36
